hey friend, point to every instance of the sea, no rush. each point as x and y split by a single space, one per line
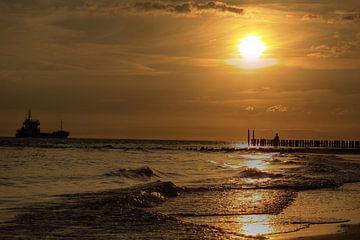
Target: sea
159 189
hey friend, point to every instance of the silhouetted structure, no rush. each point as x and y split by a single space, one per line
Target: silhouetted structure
251 142
276 140
31 129
301 143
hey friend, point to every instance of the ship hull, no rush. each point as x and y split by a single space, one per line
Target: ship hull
31 129
57 134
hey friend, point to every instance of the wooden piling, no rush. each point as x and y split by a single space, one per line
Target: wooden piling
304 143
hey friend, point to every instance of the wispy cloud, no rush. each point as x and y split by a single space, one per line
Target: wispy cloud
334 51
340 111
114 7
277 108
249 108
311 17
326 51
188 7
349 15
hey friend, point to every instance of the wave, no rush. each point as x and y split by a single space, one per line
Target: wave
86 146
304 178
134 213
142 172
121 145
329 169
141 195
298 179
301 183
152 194
107 215
256 173
318 220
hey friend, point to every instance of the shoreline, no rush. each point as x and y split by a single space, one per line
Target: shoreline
346 231
325 204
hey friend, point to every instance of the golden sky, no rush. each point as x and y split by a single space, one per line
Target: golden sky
173 70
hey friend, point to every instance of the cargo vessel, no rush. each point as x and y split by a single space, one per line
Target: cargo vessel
31 129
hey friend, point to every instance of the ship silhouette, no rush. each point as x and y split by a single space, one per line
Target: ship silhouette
31 129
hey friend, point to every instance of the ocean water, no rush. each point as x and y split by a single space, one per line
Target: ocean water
138 189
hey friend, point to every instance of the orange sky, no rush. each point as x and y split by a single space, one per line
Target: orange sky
163 69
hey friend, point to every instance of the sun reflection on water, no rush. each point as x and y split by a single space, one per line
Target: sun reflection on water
258 164
256 181
254 225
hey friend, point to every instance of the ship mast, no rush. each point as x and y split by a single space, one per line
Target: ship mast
29 114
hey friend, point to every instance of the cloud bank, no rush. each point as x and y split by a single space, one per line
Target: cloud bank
188 7
106 7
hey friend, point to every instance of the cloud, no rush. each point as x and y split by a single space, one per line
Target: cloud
349 15
335 17
340 111
188 7
277 108
154 6
311 17
115 7
326 51
249 108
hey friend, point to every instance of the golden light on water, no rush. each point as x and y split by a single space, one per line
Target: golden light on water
254 225
257 164
251 54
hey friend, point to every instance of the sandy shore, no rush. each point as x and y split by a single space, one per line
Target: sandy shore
349 232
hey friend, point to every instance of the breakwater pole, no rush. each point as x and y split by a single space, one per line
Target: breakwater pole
305 143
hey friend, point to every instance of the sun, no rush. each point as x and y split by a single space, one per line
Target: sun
251 47
251 53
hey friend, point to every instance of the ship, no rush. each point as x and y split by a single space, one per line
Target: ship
31 129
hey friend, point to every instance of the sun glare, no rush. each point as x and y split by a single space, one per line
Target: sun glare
255 225
250 56
251 47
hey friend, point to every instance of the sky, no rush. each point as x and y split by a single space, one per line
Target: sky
172 69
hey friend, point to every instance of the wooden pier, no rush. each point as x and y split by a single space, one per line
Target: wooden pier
301 143
305 143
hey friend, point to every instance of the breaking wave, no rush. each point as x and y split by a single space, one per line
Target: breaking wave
151 194
103 215
256 173
142 172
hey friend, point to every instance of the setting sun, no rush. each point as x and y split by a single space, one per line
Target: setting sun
251 47
180 119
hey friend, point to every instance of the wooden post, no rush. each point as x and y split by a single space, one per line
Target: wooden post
253 137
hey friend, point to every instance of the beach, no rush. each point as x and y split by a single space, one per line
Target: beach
179 120
351 232
143 189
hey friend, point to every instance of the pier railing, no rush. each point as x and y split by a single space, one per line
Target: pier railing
302 143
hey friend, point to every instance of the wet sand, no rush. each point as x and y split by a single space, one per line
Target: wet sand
348 232
340 204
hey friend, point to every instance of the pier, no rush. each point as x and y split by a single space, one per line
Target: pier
301 143
289 146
